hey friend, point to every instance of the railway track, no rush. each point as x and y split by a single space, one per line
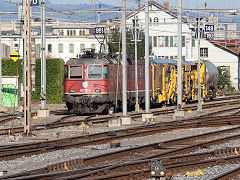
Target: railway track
172 164
93 120
138 158
232 174
18 150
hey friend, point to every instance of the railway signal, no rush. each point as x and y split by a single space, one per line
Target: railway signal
14 56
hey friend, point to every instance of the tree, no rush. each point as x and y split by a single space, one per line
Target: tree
114 39
224 81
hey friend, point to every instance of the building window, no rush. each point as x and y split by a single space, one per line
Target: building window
155 20
203 52
171 41
74 32
150 40
154 41
80 32
60 32
175 41
93 47
183 58
49 48
160 57
83 32
161 41
166 57
82 48
60 48
171 57
166 41
68 34
71 48
150 20
183 41
193 41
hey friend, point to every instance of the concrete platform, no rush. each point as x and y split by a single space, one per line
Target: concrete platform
179 114
43 113
114 122
147 118
126 120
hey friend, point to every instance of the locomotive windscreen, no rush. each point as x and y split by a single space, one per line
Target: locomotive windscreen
76 72
94 71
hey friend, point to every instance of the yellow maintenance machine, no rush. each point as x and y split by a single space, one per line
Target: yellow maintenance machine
164 80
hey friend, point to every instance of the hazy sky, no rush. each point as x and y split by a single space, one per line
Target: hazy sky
132 3
186 3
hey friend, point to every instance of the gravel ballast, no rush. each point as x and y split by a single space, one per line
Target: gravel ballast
38 161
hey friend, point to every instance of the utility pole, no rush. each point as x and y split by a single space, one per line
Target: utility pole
27 68
43 55
99 17
43 112
124 60
147 96
179 51
1 56
136 64
199 68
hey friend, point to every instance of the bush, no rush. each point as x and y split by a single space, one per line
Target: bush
224 82
54 73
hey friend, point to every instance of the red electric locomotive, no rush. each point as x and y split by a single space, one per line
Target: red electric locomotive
93 86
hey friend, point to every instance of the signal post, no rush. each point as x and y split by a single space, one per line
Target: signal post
43 112
27 68
125 119
148 116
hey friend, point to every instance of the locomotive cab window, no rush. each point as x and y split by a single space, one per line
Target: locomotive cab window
94 71
105 72
76 72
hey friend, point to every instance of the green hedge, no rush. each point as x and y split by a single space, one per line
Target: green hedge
54 73
9 68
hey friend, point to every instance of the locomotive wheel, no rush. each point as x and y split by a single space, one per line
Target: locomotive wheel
69 106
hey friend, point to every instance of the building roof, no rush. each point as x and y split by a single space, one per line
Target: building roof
230 45
162 7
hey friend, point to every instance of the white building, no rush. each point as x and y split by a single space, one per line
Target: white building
223 55
223 31
163 31
66 41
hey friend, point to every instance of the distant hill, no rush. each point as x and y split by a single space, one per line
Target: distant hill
61 7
